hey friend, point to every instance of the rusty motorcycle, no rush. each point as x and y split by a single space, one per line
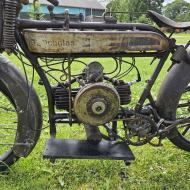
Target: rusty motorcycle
95 99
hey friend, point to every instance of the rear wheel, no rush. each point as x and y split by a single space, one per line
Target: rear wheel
173 102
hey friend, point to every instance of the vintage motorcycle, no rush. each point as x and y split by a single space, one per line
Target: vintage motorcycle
93 98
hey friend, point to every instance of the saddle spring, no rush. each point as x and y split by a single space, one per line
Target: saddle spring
10 13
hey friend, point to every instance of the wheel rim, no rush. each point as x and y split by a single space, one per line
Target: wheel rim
183 111
8 123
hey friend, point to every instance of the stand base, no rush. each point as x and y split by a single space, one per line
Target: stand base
82 149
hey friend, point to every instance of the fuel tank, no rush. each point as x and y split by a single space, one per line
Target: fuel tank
60 41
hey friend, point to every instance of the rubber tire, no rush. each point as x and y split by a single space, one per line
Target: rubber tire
168 99
14 84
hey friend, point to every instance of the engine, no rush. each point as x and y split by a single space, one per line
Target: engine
97 100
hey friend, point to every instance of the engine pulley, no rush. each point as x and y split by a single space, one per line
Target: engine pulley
96 104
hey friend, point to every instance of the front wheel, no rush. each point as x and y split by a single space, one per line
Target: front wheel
19 127
173 102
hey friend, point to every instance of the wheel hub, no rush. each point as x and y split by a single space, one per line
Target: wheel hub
98 107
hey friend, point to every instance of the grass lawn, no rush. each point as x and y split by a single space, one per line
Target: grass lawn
164 168
182 38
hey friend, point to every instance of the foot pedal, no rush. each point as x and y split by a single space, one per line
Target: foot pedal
82 149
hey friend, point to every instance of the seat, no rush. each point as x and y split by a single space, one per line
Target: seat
163 21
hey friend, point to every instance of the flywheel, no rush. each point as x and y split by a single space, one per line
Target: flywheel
96 104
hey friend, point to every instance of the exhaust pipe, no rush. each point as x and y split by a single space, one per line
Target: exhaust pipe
93 134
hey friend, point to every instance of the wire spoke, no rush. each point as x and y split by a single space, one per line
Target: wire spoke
7 109
6 143
8 123
5 135
184 105
13 124
7 128
185 131
185 125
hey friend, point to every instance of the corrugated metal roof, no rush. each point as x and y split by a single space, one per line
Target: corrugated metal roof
91 4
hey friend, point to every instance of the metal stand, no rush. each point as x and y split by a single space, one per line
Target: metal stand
82 149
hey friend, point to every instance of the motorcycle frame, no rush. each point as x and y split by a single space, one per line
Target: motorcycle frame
33 57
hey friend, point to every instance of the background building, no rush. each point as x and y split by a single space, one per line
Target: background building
89 8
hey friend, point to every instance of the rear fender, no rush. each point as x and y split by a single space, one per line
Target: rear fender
172 88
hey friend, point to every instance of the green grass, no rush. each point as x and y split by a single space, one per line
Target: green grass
165 167
182 38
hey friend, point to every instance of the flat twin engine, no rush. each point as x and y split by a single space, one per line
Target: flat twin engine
97 101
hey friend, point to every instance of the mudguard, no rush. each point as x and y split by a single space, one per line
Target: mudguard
181 54
173 85
29 120
170 93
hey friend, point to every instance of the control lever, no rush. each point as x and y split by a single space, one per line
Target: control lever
50 9
54 2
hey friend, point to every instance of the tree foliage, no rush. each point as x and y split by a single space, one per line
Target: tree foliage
134 6
178 10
